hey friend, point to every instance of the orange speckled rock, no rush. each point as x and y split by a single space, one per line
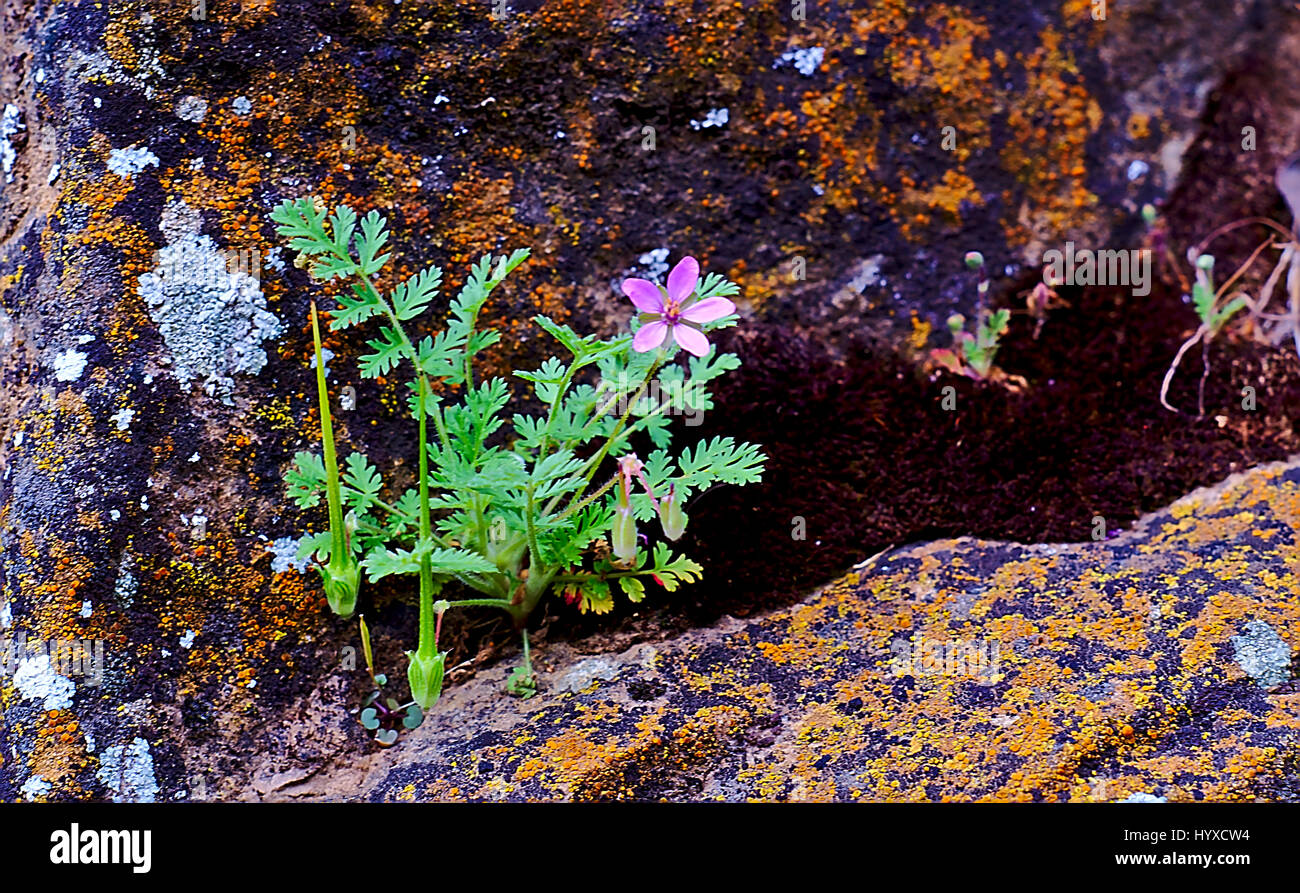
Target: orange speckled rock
148 414
1157 663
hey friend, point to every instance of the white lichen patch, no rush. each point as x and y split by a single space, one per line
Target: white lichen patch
284 556
122 419
241 105
805 61
36 680
326 355
11 122
127 771
127 585
69 365
192 108
129 162
35 787
213 320
187 640
715 118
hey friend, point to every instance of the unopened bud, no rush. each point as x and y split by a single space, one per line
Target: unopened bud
341 578
671 517
623 537
424 674
974 260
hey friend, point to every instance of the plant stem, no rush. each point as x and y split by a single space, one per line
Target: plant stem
428 635
332 491
502 603
555 408
594 462
589 499
528 657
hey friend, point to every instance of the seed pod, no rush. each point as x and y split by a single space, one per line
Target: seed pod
425 677
671 517
341 579
623 538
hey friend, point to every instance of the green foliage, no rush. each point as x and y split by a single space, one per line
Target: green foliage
1205 298
973 354
506 510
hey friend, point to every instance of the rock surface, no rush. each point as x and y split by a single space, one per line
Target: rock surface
1157 663
143 433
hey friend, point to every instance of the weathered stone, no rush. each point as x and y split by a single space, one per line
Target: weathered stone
1096 672
141 509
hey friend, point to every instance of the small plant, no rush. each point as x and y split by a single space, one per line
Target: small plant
385 717
972 354
1214 314
1215 306
510 513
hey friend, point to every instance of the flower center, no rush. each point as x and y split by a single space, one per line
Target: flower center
672 312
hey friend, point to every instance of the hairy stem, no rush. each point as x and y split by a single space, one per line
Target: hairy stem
428 636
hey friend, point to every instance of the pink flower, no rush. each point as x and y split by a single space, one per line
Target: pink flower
671 311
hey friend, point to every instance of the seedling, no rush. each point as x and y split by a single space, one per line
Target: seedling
1214 313
972 353
1215 306
384 716
510 514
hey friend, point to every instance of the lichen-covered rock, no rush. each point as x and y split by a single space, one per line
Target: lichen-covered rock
1157 663
143 435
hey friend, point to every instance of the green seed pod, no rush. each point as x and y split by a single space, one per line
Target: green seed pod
341 579
671 517
623 538
425 677
974 260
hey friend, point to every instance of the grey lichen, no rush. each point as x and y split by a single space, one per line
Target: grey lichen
214 320
127 771
1263 654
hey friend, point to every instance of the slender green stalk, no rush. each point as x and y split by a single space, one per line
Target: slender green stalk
341 576
593 464
428 641
333 493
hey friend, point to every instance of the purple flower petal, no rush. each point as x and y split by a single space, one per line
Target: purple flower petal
691 340
644 294
650 336
681 281
709 310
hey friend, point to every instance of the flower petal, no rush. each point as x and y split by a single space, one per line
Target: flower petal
644 294
691 340
708 310
681 281
650 336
